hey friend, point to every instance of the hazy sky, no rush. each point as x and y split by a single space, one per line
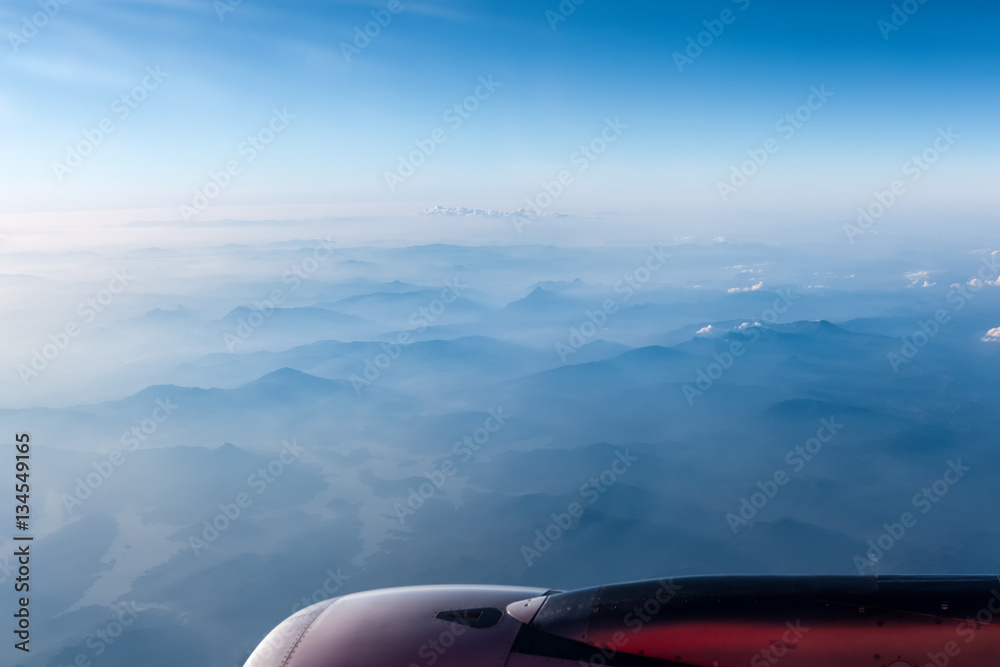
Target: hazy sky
347 115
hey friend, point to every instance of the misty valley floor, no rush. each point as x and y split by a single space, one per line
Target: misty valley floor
245 429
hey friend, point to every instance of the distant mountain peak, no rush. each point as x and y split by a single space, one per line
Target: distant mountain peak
284 373
811 327
537 298
177 312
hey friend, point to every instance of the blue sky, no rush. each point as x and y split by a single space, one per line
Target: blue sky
352 120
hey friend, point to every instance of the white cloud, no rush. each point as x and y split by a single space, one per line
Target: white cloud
920 279
992 336
704 331
752 288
